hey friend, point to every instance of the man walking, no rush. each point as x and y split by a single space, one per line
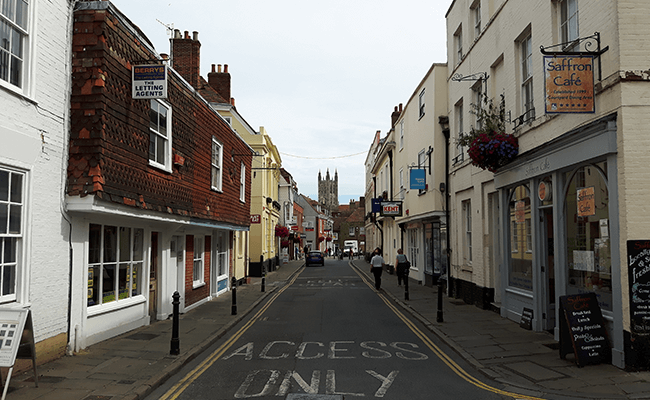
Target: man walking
377 266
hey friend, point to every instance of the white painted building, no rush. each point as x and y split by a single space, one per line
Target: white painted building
34 125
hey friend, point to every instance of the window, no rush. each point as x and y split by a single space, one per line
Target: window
221 253
242 183
13 41
458 44
528 107
569 24
401 183
11 230
351 231
401 134
477 94
160 135
521 263
197 271
217 164
115 260
476 12
421 103
459 130
467 216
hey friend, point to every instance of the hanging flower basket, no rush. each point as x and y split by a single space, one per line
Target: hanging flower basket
329 239
284 243
488 146
492 151
281 231
321 238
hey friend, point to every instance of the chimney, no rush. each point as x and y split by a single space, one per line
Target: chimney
186 56
395 115
220 81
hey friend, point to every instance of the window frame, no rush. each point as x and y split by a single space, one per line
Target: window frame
421 102
134 277
569 21
527 94
166 165
401 134
13 238
476 13
460 150
198 275
467 237
458 45
22 84
218 167
242 183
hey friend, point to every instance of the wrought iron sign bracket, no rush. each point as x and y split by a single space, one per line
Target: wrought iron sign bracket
479 76
591 46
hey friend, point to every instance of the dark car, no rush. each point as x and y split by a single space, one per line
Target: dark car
315 258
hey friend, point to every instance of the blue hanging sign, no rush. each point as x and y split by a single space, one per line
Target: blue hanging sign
376 205
418 179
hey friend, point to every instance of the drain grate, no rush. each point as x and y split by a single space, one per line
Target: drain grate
125 382
97 397
47 379
305 396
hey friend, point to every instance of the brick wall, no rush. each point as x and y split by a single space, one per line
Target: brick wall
110 133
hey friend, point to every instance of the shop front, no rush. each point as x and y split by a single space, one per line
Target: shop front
559 219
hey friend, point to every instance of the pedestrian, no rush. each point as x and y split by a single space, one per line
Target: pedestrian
377 266
351 253
402 266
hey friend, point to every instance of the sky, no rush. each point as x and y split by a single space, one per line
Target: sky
322 77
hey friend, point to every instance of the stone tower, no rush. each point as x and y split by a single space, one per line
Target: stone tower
328 191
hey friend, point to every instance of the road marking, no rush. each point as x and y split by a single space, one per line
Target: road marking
437 351
385 382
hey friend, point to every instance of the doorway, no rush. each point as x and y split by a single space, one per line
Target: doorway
153 278
548 267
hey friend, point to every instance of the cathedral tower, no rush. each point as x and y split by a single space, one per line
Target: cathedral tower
328 191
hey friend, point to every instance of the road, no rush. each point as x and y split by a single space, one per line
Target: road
329 335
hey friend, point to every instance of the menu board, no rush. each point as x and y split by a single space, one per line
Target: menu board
638 267
526 321
582 329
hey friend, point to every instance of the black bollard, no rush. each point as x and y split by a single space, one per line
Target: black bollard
406 285
439 317
233 288
175 348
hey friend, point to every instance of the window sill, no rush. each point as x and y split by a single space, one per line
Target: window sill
164 168
214 189
96 310
197 285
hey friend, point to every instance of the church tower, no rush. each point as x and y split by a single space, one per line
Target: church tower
328 191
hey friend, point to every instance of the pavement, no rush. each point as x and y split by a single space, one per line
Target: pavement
132 365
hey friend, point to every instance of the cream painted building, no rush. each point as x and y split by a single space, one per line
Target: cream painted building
420 147
558 219
265 205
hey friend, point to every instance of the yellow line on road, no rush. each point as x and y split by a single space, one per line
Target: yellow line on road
187 380
438 352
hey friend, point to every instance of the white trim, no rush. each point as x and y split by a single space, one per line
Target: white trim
219 166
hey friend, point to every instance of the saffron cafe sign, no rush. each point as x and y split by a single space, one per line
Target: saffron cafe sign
569 83
149 82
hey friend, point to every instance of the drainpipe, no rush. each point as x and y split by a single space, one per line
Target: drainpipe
444 122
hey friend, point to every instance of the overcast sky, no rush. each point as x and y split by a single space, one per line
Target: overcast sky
321 76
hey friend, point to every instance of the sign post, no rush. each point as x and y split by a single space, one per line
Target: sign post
16 341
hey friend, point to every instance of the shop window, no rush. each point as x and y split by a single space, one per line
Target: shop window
521 257
587 232
115 260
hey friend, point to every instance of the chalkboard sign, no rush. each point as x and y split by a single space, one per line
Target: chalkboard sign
526 319
582 328
638 267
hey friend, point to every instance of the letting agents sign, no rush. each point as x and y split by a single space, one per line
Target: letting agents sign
569 82
149 82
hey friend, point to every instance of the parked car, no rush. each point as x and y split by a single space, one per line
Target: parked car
315 258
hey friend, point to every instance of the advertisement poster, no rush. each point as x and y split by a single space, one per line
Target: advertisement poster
569 84
586 202
638 267
149 82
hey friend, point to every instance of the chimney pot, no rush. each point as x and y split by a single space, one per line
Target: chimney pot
213 67
225 68
219 68
164 56
177 34
400 107
232 101
195 35
187 35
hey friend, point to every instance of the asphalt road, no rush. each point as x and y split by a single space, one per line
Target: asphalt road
329 335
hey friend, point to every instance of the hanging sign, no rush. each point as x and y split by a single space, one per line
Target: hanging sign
418 179
391 209
149 82
376 204
569 83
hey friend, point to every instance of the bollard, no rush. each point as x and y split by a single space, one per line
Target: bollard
175 348
406 285
233 288
439 317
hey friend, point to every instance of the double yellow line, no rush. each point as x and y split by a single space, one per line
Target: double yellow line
187 380
439 353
